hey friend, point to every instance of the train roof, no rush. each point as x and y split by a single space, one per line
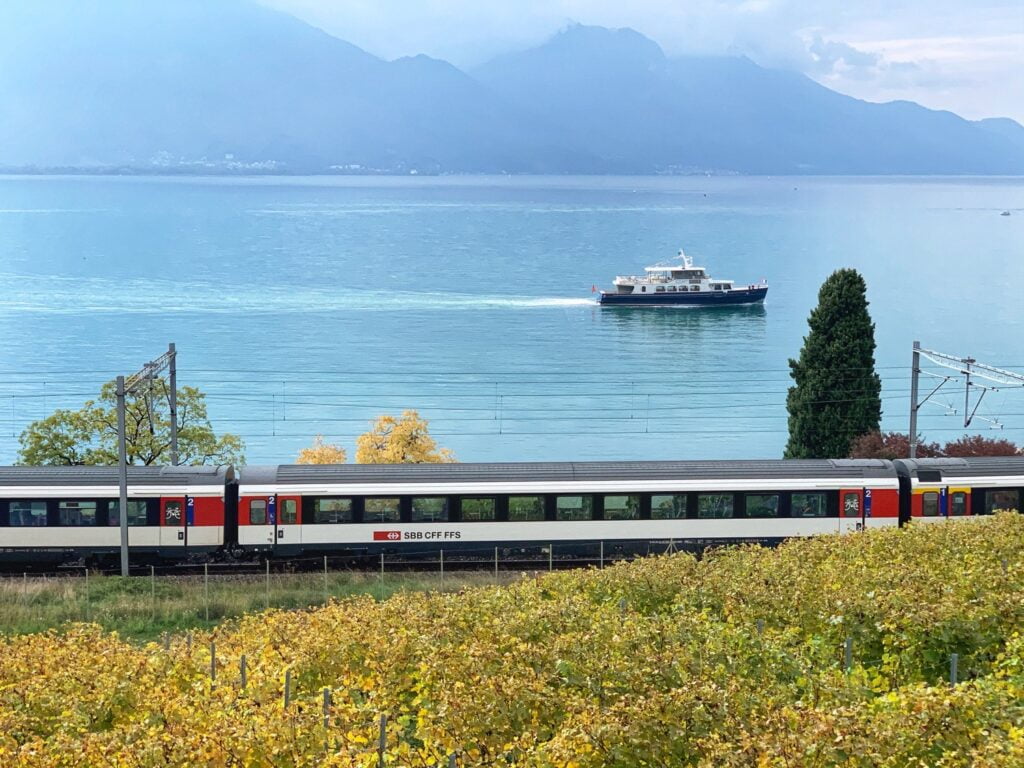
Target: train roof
934 470
833 469
107 476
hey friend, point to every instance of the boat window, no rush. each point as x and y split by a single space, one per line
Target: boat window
78 513
671 289
28 513
621 507
573 507
381 511
431 509
257 512
809 505
714 505
659 289
669 506
332 510
525 508
694 287
477 510
643 289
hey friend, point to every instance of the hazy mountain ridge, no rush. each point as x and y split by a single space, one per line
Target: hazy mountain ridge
229 85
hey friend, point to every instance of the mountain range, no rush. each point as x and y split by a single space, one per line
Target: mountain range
232 86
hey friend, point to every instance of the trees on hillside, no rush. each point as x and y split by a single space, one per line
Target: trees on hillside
836 394
89 435
322 453
896 445
405 440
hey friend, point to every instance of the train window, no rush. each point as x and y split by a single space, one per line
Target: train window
809 505
958 504
762 505
621 507
28 513
477 510
714 505
430 509
668 506
522 508
257 512
851 504
381 511
136 512
574 507
77 512
1001 498
930 504
327 511
289 512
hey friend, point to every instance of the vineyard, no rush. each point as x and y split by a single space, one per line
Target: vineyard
894 647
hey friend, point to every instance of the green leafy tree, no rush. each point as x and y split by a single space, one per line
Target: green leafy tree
89 435
836 395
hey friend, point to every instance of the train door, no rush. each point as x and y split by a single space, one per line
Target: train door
260 514
287 528
853 508
173 522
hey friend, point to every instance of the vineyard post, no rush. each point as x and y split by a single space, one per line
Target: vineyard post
848 655
327 708
87 599
551 557
495 565
382 742
242 669
451 761
206 590
152 592
287 687
602 554
760 626
442 570
381 575
24 584
268 584
188 642
213 662
167 641
953 659
326 590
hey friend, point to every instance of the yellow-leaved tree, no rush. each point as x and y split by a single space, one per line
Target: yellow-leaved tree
322 453
405 440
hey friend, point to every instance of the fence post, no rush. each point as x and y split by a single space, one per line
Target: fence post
848 655
602 555
167 641
206 590
152 591
551 557
24 584
268 585
381 575
326 590
382 742
188 642
244 671
442 570
88 612
287 687
953 661
495 565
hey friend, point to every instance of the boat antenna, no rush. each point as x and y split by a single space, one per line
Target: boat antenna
687 261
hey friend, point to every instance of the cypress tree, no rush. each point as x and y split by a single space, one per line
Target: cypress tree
836 396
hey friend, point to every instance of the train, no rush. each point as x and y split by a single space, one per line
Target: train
53 516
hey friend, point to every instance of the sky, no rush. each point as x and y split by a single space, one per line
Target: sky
963 55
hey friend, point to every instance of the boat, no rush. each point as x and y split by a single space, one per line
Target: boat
680 283
1005 213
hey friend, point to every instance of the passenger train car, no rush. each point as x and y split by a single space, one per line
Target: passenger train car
52 515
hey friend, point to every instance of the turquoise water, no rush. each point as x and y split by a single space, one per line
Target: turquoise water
310 305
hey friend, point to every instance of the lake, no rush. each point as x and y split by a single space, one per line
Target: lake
311 305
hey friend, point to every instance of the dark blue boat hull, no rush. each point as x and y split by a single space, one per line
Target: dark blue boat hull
702 299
